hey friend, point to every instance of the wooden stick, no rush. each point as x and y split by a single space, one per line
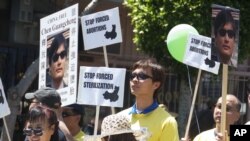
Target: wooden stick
107 65
224 97
6 128
96 119
193 104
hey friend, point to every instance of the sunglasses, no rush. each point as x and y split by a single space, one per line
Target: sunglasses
140 76
56 56
68 113
36 131
230 33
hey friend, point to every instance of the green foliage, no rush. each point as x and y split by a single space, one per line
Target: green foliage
153 19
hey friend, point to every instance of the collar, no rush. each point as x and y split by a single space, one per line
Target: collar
152 107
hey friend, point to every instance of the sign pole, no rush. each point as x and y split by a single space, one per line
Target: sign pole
224 95
6 128
107 65
105 56
193 104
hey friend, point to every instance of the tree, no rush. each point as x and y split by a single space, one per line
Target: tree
153 19
15 93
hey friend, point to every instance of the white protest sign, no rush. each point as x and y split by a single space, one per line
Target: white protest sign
198 53
101 86
59 53
101 29
5 110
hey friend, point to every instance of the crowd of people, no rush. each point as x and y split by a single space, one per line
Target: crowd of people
145 120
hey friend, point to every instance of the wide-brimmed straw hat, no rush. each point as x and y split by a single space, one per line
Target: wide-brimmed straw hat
118 124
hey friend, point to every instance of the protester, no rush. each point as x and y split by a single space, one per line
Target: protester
42 125
233 106
73 118
225 37
49 97
145 82
57 54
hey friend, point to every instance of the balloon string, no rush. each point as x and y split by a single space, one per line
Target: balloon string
191 91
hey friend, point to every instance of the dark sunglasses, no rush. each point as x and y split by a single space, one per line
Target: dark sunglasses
140 76
67 114
36 131
56 56
230 33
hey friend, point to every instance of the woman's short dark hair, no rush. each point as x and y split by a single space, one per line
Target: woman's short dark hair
38 113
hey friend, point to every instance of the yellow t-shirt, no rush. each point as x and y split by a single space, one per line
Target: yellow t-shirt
161 125
79 136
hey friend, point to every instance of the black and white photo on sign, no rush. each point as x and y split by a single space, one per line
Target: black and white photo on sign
225 34
57 60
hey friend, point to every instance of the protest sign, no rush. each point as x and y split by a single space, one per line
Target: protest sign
5 110
59 53
101 86
198 53
101 29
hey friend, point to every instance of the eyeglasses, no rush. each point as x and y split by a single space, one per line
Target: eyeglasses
68 113
228 108
140 76
56 56
36 131
223 32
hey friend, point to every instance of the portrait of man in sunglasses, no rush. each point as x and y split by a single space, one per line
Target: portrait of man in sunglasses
57 61
225 28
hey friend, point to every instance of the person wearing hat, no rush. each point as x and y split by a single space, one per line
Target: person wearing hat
117 127
50 98
73 118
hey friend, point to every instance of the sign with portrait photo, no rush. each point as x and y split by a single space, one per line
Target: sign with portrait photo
59 53
101 86
225 34
5 110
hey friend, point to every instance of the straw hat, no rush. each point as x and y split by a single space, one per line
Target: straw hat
118 124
